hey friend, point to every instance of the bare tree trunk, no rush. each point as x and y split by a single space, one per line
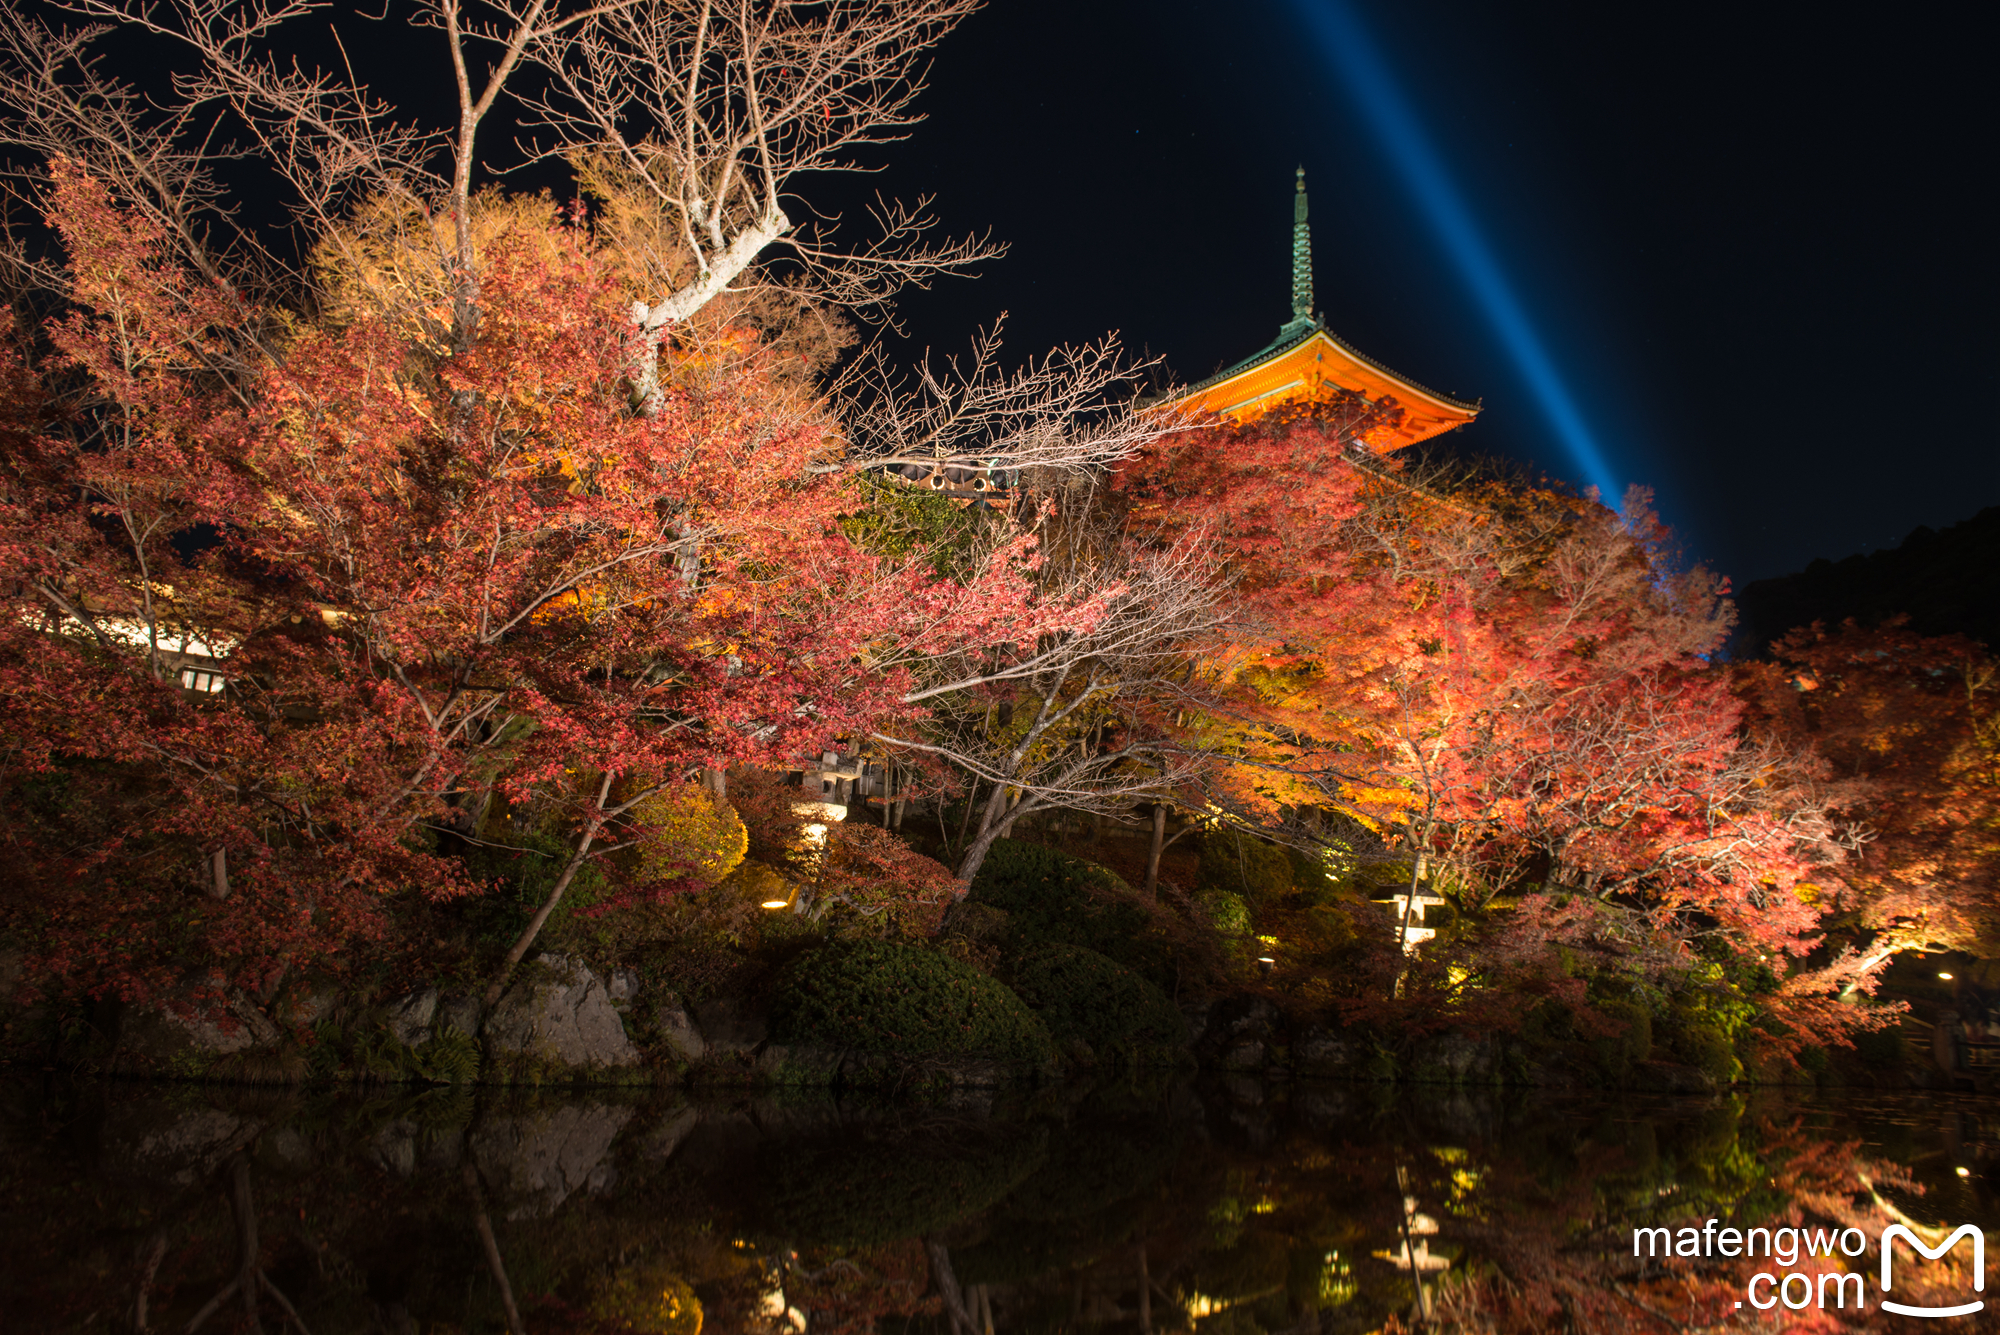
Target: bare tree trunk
154 1255
536 923
1145 1294
491 1246
947 1287
1153 850
990 833
218 874
247 1271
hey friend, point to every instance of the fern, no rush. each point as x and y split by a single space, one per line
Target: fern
452 1058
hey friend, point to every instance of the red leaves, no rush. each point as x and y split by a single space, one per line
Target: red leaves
436 577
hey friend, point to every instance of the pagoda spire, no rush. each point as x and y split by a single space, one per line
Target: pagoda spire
1302 265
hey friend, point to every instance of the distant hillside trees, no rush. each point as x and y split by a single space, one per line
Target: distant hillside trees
1945 583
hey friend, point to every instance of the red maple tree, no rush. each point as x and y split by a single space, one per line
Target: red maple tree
442 579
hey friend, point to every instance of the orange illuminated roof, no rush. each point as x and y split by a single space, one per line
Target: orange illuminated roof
1315 363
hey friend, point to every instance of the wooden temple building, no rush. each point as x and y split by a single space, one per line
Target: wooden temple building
1308 361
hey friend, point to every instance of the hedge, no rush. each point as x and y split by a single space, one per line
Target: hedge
879 996
1082 995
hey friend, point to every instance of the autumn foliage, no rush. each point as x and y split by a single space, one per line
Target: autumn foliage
450 583
1513 687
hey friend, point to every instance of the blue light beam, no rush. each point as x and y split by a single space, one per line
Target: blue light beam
1365 75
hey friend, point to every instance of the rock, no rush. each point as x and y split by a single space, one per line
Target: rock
1321 1106
409 1017
395 1148
1325 1052
666 1135
1236 1031
1452 1059
623 987
677 1031
1245 1091
146 1138
462 1014
441 1151
167 1037
536 1161
304 1007
730 1025
288 1146
563 1016
1247 1055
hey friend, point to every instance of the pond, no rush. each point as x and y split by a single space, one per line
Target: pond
1225 1208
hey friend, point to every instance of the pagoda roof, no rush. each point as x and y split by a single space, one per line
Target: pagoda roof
1305 363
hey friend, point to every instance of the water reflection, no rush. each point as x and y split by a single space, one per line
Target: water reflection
1225 1210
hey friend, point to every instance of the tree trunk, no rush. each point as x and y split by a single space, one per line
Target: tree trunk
491 1246
536 923
1153 850
968 866
947 1287
246 1233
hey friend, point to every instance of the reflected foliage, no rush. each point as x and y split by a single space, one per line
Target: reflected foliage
1241 1208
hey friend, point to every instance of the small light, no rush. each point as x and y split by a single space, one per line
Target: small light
1945 976
1265 959
777 903
1963 1172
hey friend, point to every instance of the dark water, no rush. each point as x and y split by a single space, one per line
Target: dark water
1225 1209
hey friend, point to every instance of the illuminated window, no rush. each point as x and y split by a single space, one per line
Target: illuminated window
207 683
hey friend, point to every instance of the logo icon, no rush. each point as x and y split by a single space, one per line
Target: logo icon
1894 1231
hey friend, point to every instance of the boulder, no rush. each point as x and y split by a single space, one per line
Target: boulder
156 1140
1243 1055
394 1149
409 1017
192 1042
1452 1059
462 1014
1327 1052
623 987
730 1025
1236 1032
677 1030
535 1161
665 1136
304 1007
562 1015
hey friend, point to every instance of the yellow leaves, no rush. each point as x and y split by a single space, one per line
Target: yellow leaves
690 834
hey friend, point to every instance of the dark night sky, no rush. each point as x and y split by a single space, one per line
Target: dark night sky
1756 238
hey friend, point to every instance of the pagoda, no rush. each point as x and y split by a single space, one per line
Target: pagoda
1308 361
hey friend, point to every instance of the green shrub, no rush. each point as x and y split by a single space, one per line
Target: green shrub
1617 1054
1706 1047
1082 995
878 996
1054 899
1228 913
1245 865
520 876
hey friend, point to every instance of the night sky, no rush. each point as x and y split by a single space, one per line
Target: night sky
1754 240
